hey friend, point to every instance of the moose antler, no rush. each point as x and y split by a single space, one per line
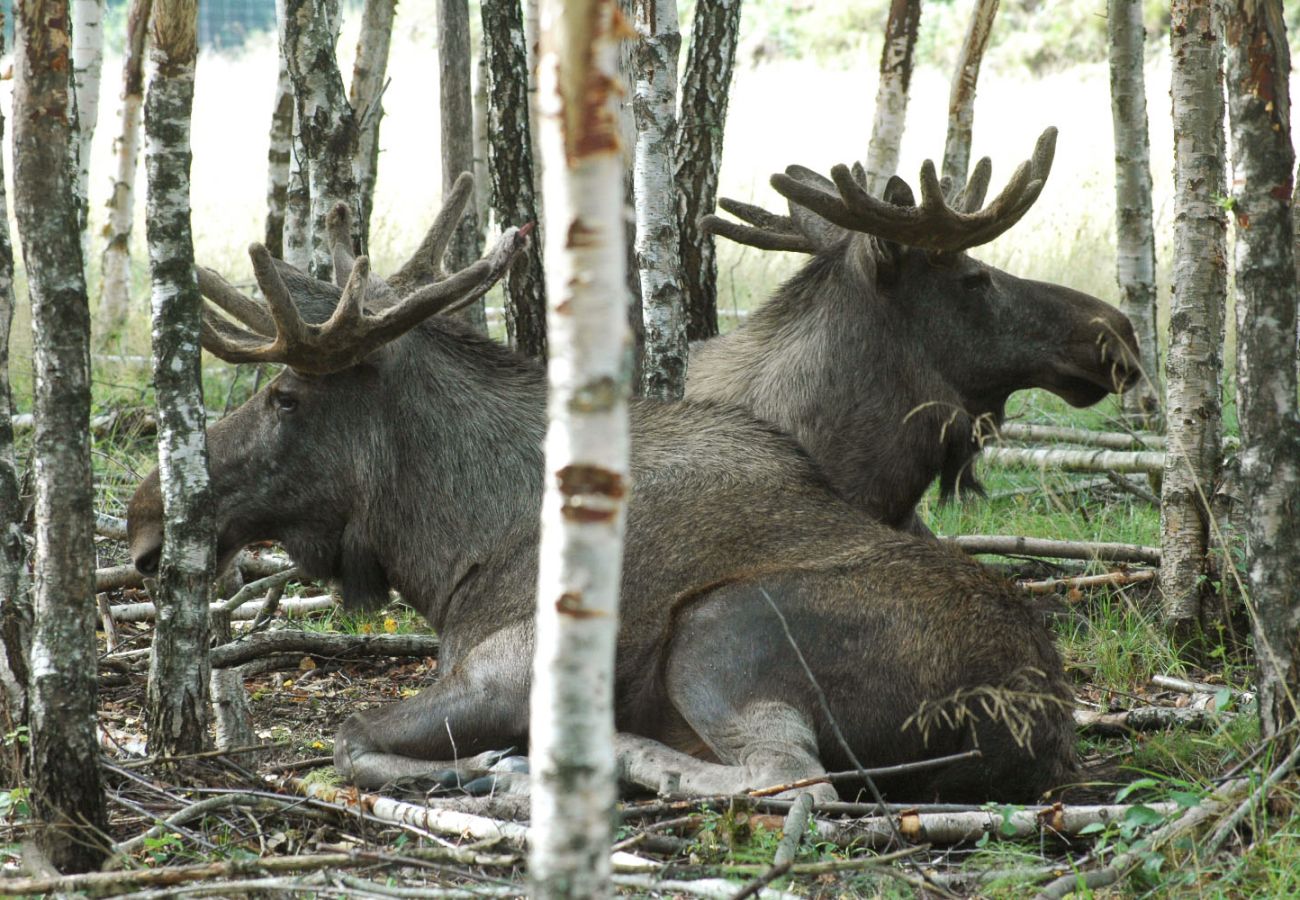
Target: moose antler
277 333
931 225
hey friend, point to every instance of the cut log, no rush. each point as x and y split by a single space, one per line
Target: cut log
1110 440
328 645
1012 545
1146 462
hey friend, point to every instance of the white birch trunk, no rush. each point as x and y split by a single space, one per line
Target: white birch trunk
961 100
1258 66
1135 241
67 797
663 304
532 38
115 262
87 64
365 95
279 153
583 510
482 180
297 205
177 710
891 92
1195 316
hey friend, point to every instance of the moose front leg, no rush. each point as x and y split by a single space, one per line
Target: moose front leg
476 708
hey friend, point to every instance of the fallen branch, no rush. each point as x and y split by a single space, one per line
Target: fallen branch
1080 582
1229 824
1145 462
1198 688
1110 440
116 577
1055 489
1146 718
293 608
326 645
1012 545
923 765
792 831
711 888
110 527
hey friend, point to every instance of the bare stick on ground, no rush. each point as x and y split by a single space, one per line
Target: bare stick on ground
1011 545
1146 462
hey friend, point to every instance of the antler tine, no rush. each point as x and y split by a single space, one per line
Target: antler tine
339 225
821 201
290 329
762 238
425 264
232 300
228 341
501 258
971 197
756 215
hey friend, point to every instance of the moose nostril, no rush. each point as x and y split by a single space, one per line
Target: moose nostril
147 563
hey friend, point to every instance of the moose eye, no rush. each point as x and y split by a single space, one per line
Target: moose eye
284 402
976 281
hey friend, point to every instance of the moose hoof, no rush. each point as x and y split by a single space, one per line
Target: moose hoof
498 783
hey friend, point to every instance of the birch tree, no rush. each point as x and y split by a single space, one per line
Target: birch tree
66 794
326 123
482 180
115 262
366 97
278 155
706 87
1193 368
510 164
87 64
15 599
177 709
296 233
663 305
1258 66
961 99
891 92
456 116
583 508
1135 240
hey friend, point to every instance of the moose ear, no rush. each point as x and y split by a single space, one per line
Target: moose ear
898 193
362 579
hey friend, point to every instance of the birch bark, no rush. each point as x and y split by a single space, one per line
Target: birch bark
663 305
15 596
87 65
366 96
456 113
572 722
705 89
66 794
1259 104
297 194
961 100
482 180
115 263
177 709
510 162
326 123
1135 240
278 156
1195 315
891 93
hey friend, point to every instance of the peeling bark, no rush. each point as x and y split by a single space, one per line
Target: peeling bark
1135 241
66 793
296 241
456 114
706 87
177 708
87 64
278 157
961 100
1259 104
891 93
1194 365
584 505
510 162
663 304
366 96
326 123
115 263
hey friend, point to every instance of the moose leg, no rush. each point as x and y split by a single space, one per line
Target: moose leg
480 705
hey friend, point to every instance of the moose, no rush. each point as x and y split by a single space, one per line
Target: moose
398 449
891 354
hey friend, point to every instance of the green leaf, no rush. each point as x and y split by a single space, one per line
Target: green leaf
1186 799
1140 784
1092 828
1222 700
1142 815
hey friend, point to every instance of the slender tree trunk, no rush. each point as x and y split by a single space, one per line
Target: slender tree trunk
482 180
366 98
657 241
177 710
1195 316
66 793
87 64
1258 66
532 37
115 263
891 94
961 100
15 596
705 90
514 202
1135 237
296 242
326 123
625 102
456 113
278 156
572 723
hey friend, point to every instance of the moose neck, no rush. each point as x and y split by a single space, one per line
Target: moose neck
831 359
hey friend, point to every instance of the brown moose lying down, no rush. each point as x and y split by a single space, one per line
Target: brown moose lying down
398 450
